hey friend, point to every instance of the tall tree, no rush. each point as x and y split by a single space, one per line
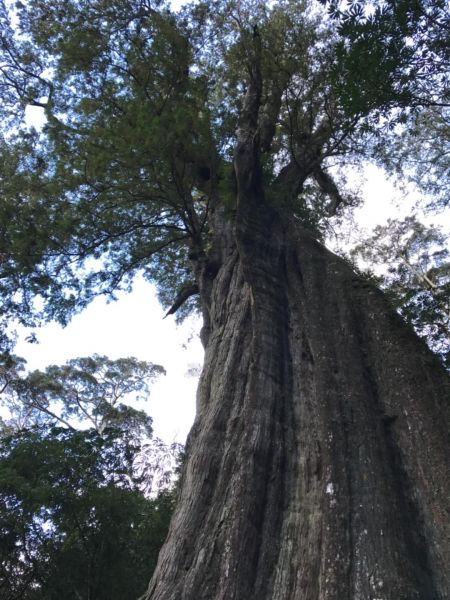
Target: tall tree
197 147
88 390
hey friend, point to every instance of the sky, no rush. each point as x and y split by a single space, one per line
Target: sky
132 326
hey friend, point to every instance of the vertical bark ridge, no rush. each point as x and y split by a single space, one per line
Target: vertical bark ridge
316 465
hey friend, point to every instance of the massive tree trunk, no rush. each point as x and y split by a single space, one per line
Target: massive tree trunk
318 464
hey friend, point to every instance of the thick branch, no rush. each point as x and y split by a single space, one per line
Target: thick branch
290 179
185 293
38 406
246 157
328 186
269 115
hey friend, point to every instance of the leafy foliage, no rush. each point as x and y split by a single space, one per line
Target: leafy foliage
420 153
393 53
73 522
113 160
393 68
141 109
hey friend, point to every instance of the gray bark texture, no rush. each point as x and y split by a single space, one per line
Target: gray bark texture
318 464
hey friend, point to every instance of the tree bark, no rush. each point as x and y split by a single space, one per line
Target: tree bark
318 464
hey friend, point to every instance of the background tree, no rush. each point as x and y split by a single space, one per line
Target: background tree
412 260
197 147
88 390
74 519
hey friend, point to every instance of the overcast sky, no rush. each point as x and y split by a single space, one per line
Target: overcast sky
132 326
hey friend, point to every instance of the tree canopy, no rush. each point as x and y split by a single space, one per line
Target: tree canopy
141 109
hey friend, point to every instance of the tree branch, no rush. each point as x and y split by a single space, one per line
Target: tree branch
246 156
185 293
327 185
